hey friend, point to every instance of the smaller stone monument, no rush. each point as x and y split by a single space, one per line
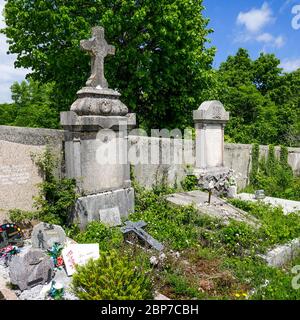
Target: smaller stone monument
210 120
45 235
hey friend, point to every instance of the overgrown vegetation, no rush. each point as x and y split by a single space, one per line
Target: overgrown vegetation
205 259
114 276
273 174
57 196
96 232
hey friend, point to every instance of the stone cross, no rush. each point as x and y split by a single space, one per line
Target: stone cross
98 49
136 227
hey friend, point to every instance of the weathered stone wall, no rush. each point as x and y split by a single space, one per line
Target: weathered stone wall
19 176
155 160
236 156
164 160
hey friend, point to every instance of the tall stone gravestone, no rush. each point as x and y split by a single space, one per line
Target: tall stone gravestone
96 141
210 120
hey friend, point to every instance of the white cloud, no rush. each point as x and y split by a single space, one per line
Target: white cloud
269 39
254 22
8 73
256 19
290 65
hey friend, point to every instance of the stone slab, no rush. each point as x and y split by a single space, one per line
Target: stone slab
282 254
218 208
87 208
288 206
110 216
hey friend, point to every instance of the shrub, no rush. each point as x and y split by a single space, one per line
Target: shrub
114 276
56 197
96 232
21 216
189 183
273 175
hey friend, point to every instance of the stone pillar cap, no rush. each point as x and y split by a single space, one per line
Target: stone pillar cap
211 111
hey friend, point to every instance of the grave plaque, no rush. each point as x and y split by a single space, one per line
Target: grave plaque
110 216
45 235
79 254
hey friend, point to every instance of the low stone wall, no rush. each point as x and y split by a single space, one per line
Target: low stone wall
236 156
19 176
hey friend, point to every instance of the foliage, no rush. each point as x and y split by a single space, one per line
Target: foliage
21 216
189 183
216 261
269 283
96 232
262 100
178 227
32 106
273 175
276 227
162 65
114 276
56 197
255 163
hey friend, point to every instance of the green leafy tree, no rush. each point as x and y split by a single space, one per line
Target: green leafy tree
32 106
263 101
162 65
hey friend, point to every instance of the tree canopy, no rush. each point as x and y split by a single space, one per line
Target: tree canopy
263 100
32 106
162 65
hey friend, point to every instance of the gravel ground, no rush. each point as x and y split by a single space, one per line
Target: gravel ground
39 292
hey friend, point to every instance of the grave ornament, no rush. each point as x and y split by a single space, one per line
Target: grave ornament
136 228
45 235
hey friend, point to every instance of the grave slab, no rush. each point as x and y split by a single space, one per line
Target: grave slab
288 206
218 208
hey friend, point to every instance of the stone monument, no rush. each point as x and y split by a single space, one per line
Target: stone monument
210 120
96 144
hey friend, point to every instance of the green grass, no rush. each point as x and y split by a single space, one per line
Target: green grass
216 261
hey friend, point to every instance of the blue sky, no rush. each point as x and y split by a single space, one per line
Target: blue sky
259 26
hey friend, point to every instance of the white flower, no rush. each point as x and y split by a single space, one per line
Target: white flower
154 261
162 257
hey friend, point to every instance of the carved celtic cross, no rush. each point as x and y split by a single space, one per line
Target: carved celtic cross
98 49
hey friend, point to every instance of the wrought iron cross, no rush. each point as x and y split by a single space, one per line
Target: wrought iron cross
98 49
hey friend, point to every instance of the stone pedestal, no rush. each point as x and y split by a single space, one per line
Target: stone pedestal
210 120
96 145
96 149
